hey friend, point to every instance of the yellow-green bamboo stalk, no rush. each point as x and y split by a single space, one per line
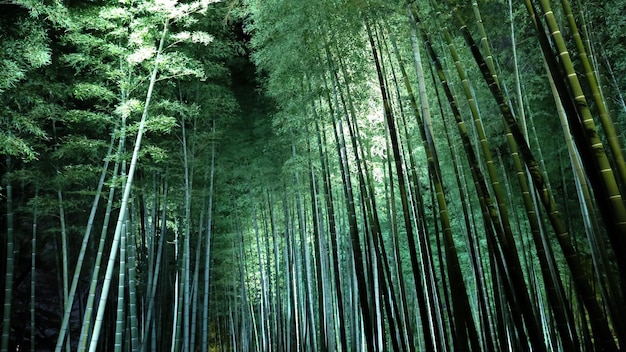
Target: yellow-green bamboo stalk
482 138
613 195
585 199
518 286
484 41
594 86
582 284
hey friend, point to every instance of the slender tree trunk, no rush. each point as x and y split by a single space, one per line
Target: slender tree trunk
330 214
126 196
185 267
207 254
132 289
151 299
354 230
195 283
85 334
8 283
33 272
121 308
319 268
64 254
430 340
83 249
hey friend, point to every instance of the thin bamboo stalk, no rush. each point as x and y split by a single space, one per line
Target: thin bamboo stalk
121 308
33 271
83 249
126 196
10 263
207 254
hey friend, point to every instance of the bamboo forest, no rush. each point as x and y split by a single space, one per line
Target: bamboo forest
312 175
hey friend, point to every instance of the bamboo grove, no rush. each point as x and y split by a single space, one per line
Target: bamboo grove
326 175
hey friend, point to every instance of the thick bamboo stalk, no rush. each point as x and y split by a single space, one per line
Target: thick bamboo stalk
593 84
596 163
64 253
505 245
546 197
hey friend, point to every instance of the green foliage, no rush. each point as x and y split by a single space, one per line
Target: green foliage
87 91
128 107
24 48
79 149
12 145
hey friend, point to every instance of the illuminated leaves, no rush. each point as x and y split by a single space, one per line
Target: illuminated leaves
193 37
177 64
126 108
85 91
140 55
14 145
24 47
